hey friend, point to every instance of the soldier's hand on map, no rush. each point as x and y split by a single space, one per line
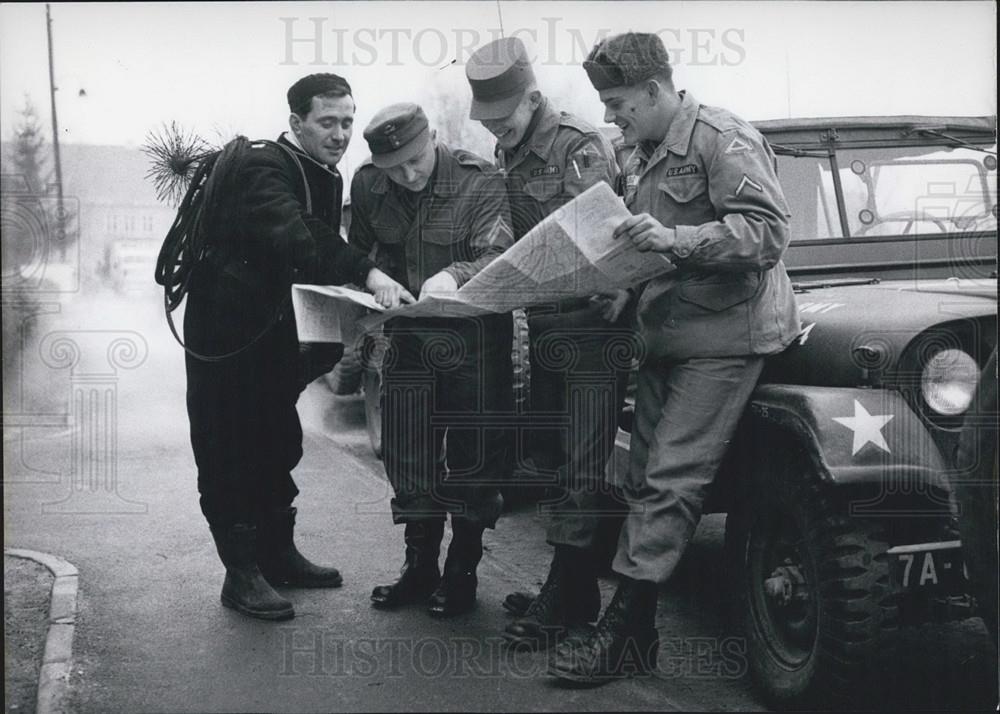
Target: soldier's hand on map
387 291
614 302
646 233
441 284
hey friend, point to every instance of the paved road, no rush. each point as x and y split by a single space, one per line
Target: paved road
118 499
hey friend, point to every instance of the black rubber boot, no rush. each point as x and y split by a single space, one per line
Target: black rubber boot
570 596
456 593
281 562
624 642
245 588
420 573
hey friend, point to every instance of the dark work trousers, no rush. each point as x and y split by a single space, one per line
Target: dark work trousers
579 373
245 430
685 416
447 416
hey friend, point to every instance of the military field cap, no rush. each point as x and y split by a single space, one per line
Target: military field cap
301 93
397 133
498 73
626 59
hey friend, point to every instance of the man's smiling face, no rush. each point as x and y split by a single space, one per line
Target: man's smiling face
510 130
326 130
632 110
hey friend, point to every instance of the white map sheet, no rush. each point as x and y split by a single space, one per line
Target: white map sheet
571 253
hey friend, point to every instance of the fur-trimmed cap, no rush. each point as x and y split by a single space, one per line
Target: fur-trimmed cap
626 59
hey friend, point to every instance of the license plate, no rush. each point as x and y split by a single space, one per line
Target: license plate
937 566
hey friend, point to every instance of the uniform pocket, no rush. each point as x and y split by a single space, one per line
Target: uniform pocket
440 236
543 189
388 232
720 295
684 190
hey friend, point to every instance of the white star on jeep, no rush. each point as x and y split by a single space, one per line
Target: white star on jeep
866 427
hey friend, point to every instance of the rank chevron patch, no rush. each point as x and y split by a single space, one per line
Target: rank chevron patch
747 181
738 145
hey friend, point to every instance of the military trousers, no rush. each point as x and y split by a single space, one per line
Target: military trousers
685 416
579 373
447 412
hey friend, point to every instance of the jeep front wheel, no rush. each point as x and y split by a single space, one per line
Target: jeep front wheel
810 594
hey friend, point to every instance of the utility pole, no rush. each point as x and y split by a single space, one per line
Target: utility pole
60 209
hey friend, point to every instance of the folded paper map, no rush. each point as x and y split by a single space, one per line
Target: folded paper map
571 253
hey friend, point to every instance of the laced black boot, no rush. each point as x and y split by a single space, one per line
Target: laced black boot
420 573
624 642
570 596
245 588
456 593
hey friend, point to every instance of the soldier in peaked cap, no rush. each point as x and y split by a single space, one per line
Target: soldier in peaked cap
549 157
434 216
706 196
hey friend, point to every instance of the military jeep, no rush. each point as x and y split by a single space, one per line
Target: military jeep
841 525
841 521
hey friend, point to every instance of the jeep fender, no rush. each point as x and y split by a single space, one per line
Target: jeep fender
852 436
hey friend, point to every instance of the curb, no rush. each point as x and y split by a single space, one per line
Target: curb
53 679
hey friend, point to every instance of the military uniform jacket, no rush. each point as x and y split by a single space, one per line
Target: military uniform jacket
563 157
712 179
461 225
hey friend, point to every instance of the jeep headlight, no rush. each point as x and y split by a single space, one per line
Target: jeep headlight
948 381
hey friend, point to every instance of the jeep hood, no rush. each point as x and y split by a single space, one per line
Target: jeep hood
838 320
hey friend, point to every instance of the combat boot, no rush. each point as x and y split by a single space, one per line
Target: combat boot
420 573
281 562
456 593
569 597
245 588
624 642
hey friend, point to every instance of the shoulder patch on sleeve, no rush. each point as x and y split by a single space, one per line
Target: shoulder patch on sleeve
738 144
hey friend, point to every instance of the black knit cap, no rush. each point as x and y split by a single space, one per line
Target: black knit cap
301 93
626 59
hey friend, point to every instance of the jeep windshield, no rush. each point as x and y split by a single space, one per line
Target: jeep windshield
889 191
889 196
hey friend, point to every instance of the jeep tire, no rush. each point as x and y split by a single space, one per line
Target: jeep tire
975 489
810 592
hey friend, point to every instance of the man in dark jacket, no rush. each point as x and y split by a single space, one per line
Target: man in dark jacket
278 225
435 216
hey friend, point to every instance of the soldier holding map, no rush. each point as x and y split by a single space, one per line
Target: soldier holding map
435 216
577 374
706 196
